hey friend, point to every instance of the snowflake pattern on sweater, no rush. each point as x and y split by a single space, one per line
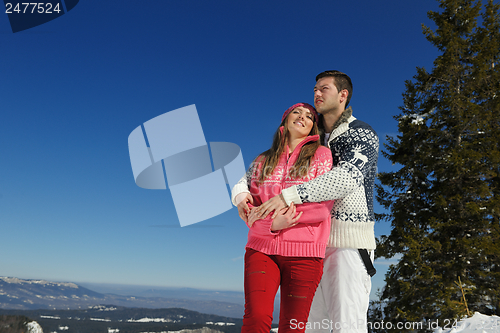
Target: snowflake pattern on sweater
354 146
355 153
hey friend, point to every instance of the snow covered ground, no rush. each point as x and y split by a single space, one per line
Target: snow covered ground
478 323
34 327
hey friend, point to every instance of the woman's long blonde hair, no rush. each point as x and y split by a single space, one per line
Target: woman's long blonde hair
269 159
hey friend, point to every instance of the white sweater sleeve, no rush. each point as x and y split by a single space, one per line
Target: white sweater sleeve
241 187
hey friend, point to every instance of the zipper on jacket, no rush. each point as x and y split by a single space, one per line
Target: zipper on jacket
298 148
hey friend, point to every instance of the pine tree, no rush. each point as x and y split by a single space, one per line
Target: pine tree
444 201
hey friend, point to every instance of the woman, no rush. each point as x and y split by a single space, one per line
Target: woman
288 251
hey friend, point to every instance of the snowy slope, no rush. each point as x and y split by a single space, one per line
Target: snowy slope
478 323
34 327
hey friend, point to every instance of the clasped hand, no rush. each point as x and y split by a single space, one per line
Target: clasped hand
286 218
283 217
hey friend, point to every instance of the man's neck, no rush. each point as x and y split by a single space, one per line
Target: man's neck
330 119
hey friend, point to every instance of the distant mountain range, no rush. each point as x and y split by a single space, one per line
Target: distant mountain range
113 319
236 297
18 294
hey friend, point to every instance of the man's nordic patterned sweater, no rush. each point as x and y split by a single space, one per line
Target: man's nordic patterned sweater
354 145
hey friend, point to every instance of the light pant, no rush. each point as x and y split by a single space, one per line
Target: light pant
340 304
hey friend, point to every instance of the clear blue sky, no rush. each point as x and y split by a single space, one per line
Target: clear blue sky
73 89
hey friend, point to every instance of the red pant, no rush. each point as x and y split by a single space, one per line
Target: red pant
298 277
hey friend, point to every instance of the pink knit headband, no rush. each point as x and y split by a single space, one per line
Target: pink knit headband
305 105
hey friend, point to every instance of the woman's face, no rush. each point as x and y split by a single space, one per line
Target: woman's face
300 122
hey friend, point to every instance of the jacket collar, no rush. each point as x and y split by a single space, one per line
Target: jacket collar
302 143
344 117
342 124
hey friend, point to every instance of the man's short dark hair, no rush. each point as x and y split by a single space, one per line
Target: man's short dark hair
340 80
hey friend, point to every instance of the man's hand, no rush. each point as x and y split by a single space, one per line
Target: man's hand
286 218
242 206
276 203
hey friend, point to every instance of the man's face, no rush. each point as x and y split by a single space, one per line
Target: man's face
326 96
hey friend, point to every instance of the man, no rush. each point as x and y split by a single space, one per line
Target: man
342 298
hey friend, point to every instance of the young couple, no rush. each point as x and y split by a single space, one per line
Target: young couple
309 210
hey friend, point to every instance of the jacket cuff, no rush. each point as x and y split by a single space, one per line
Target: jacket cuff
238 189
291 195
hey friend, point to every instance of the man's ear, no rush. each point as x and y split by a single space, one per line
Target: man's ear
343 95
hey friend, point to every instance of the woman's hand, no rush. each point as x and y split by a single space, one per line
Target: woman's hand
276 203
243 199
252 216
286 218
